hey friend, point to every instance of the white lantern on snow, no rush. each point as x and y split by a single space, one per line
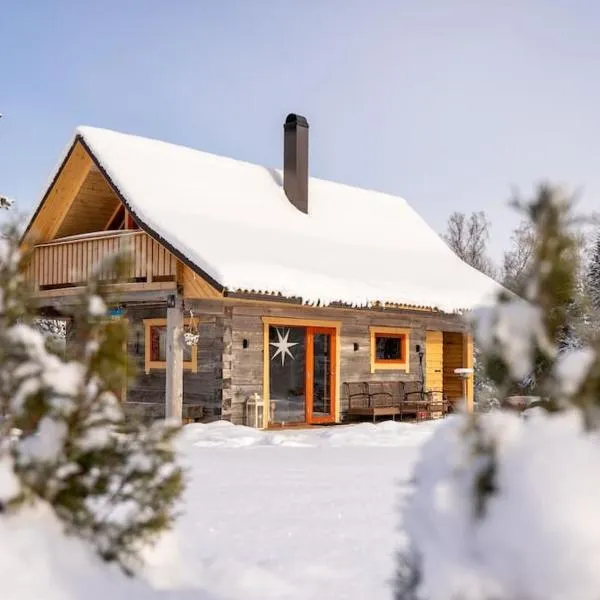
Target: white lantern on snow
254 411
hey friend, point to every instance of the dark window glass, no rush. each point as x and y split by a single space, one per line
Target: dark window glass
322 375
389 347
118 221
287 373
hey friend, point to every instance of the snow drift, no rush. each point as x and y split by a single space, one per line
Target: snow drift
539 538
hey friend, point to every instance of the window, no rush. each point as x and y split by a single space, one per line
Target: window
389 348
156 347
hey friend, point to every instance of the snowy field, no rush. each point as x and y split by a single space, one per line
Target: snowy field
294 514
307 514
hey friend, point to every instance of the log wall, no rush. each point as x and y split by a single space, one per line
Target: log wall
245 321
230 352
202 389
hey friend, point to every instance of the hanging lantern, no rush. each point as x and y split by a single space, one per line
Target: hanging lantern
254 411
191 336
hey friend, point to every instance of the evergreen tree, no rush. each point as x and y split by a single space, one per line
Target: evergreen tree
593 277
469 494
111 481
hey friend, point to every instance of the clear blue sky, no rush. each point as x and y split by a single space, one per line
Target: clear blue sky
448 103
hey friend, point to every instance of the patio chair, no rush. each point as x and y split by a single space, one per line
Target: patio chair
416 402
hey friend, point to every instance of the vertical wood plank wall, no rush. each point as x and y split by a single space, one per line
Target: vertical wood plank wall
72 262
453 359
434 360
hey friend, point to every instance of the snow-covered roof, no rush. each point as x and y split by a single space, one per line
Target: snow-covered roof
233 221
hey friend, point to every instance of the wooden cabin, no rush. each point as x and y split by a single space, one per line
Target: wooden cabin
251 283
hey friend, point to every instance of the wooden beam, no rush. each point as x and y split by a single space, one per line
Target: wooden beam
60 196
117 288
114 214
129 222
174 385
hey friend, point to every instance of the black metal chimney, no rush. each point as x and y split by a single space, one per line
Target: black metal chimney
295 161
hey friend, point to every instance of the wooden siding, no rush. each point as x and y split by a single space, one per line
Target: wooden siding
453 359
434 360
195 286
243 364
229 371
60 196
68 263
92 207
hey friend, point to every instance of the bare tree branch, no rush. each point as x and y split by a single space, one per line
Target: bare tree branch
468 238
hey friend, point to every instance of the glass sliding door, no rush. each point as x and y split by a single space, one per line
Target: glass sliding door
287 374
321 406
302 379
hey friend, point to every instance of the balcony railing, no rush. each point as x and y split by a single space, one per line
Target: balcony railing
70 262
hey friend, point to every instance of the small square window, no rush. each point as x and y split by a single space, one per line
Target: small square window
156 347
389 348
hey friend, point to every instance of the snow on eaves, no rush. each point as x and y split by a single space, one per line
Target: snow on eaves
233 221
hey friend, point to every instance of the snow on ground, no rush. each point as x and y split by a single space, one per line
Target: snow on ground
293 514
38 562
307 514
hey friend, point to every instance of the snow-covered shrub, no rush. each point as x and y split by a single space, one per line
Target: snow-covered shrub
486 394
504 507
55 330
111 482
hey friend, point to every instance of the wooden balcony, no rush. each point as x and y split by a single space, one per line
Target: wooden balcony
71 262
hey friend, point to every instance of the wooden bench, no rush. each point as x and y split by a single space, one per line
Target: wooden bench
393 399
368 400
